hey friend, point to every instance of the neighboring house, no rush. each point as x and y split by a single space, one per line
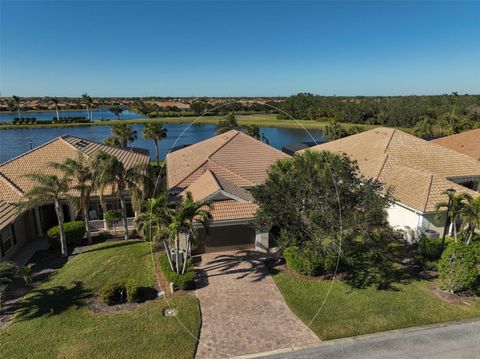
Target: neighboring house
223 169
417 171
16 228
467 142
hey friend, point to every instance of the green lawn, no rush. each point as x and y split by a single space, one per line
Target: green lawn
348 311
262 120
54 322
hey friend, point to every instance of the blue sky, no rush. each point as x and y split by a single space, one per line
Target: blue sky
137 48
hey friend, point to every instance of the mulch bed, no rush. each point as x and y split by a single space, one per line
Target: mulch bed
458 299
98 307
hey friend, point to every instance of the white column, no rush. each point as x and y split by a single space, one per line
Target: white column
38 223
261 238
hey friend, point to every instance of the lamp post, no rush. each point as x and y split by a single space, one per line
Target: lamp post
450 192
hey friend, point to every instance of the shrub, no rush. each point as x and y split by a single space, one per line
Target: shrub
430 248
303 262
133 291
458 268
74 232
112 217
180 281
113 293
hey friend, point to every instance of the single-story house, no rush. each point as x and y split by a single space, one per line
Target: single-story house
18 229
417 172
467 142
223 169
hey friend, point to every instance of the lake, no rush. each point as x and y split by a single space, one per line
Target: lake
97 115
17 141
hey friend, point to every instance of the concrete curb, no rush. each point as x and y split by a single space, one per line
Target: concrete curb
358 338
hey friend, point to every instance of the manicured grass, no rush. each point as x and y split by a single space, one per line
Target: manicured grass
54 322
262 120
349 311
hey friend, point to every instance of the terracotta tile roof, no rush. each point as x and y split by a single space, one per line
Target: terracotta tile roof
467 142
222 168
418 171
231 210
14 183
233 155
8 212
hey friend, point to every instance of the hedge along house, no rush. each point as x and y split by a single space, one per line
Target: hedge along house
223 169
19 229
416 171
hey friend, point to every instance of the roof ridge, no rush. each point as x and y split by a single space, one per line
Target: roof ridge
389 141
382 166
29 151
429 189
71 145
128 149
229 170
11 184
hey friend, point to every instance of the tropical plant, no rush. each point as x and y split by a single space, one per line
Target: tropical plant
88 103
334 131
48 189
54 100
111 173
155 132
458 268
81 176
228 123
112 217
424 127
117 111
471 216
124 133
112 141
9 272
451 210
17 99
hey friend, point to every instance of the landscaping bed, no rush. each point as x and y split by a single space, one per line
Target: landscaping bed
63 316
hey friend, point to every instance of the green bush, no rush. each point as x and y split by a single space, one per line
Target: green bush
185 281
458 268
113 293
133 291
476 249
74 232
430 248
303 262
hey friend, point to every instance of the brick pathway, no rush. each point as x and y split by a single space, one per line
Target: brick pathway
242 310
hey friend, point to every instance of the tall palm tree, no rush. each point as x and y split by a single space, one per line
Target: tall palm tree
451 209
125 133
89 104
227 124
155 132
54 100
48 189
471 215
17 99
111 173
81 176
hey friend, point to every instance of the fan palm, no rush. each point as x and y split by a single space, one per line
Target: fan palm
155 132
125 133
81 176
111 173
48 189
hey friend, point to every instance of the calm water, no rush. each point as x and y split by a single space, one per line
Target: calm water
15 142
97 115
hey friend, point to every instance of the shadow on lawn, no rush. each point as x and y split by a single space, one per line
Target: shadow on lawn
108 245
52 301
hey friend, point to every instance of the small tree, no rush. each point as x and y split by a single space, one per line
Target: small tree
16 99
227 124
112 218
452 209
117 111
471 216
9 272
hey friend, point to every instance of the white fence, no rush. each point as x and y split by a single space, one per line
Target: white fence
100 225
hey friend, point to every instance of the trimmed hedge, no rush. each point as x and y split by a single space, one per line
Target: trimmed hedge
430 248
458 267
74 232
185 281
301 262
120 292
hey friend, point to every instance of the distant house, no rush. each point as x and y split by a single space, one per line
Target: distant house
223 169
467 142
416 170
18 229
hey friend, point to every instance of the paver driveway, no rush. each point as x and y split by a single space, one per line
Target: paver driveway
242 310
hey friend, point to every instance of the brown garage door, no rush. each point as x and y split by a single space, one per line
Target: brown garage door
226 238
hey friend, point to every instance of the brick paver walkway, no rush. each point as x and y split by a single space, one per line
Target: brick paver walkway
242 310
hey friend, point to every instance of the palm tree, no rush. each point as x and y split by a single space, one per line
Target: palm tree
471 215
155 132
451 209
112 141
54 100
254 131
89 103
227 124
81 176
110 172
17 99
125 133
48 189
